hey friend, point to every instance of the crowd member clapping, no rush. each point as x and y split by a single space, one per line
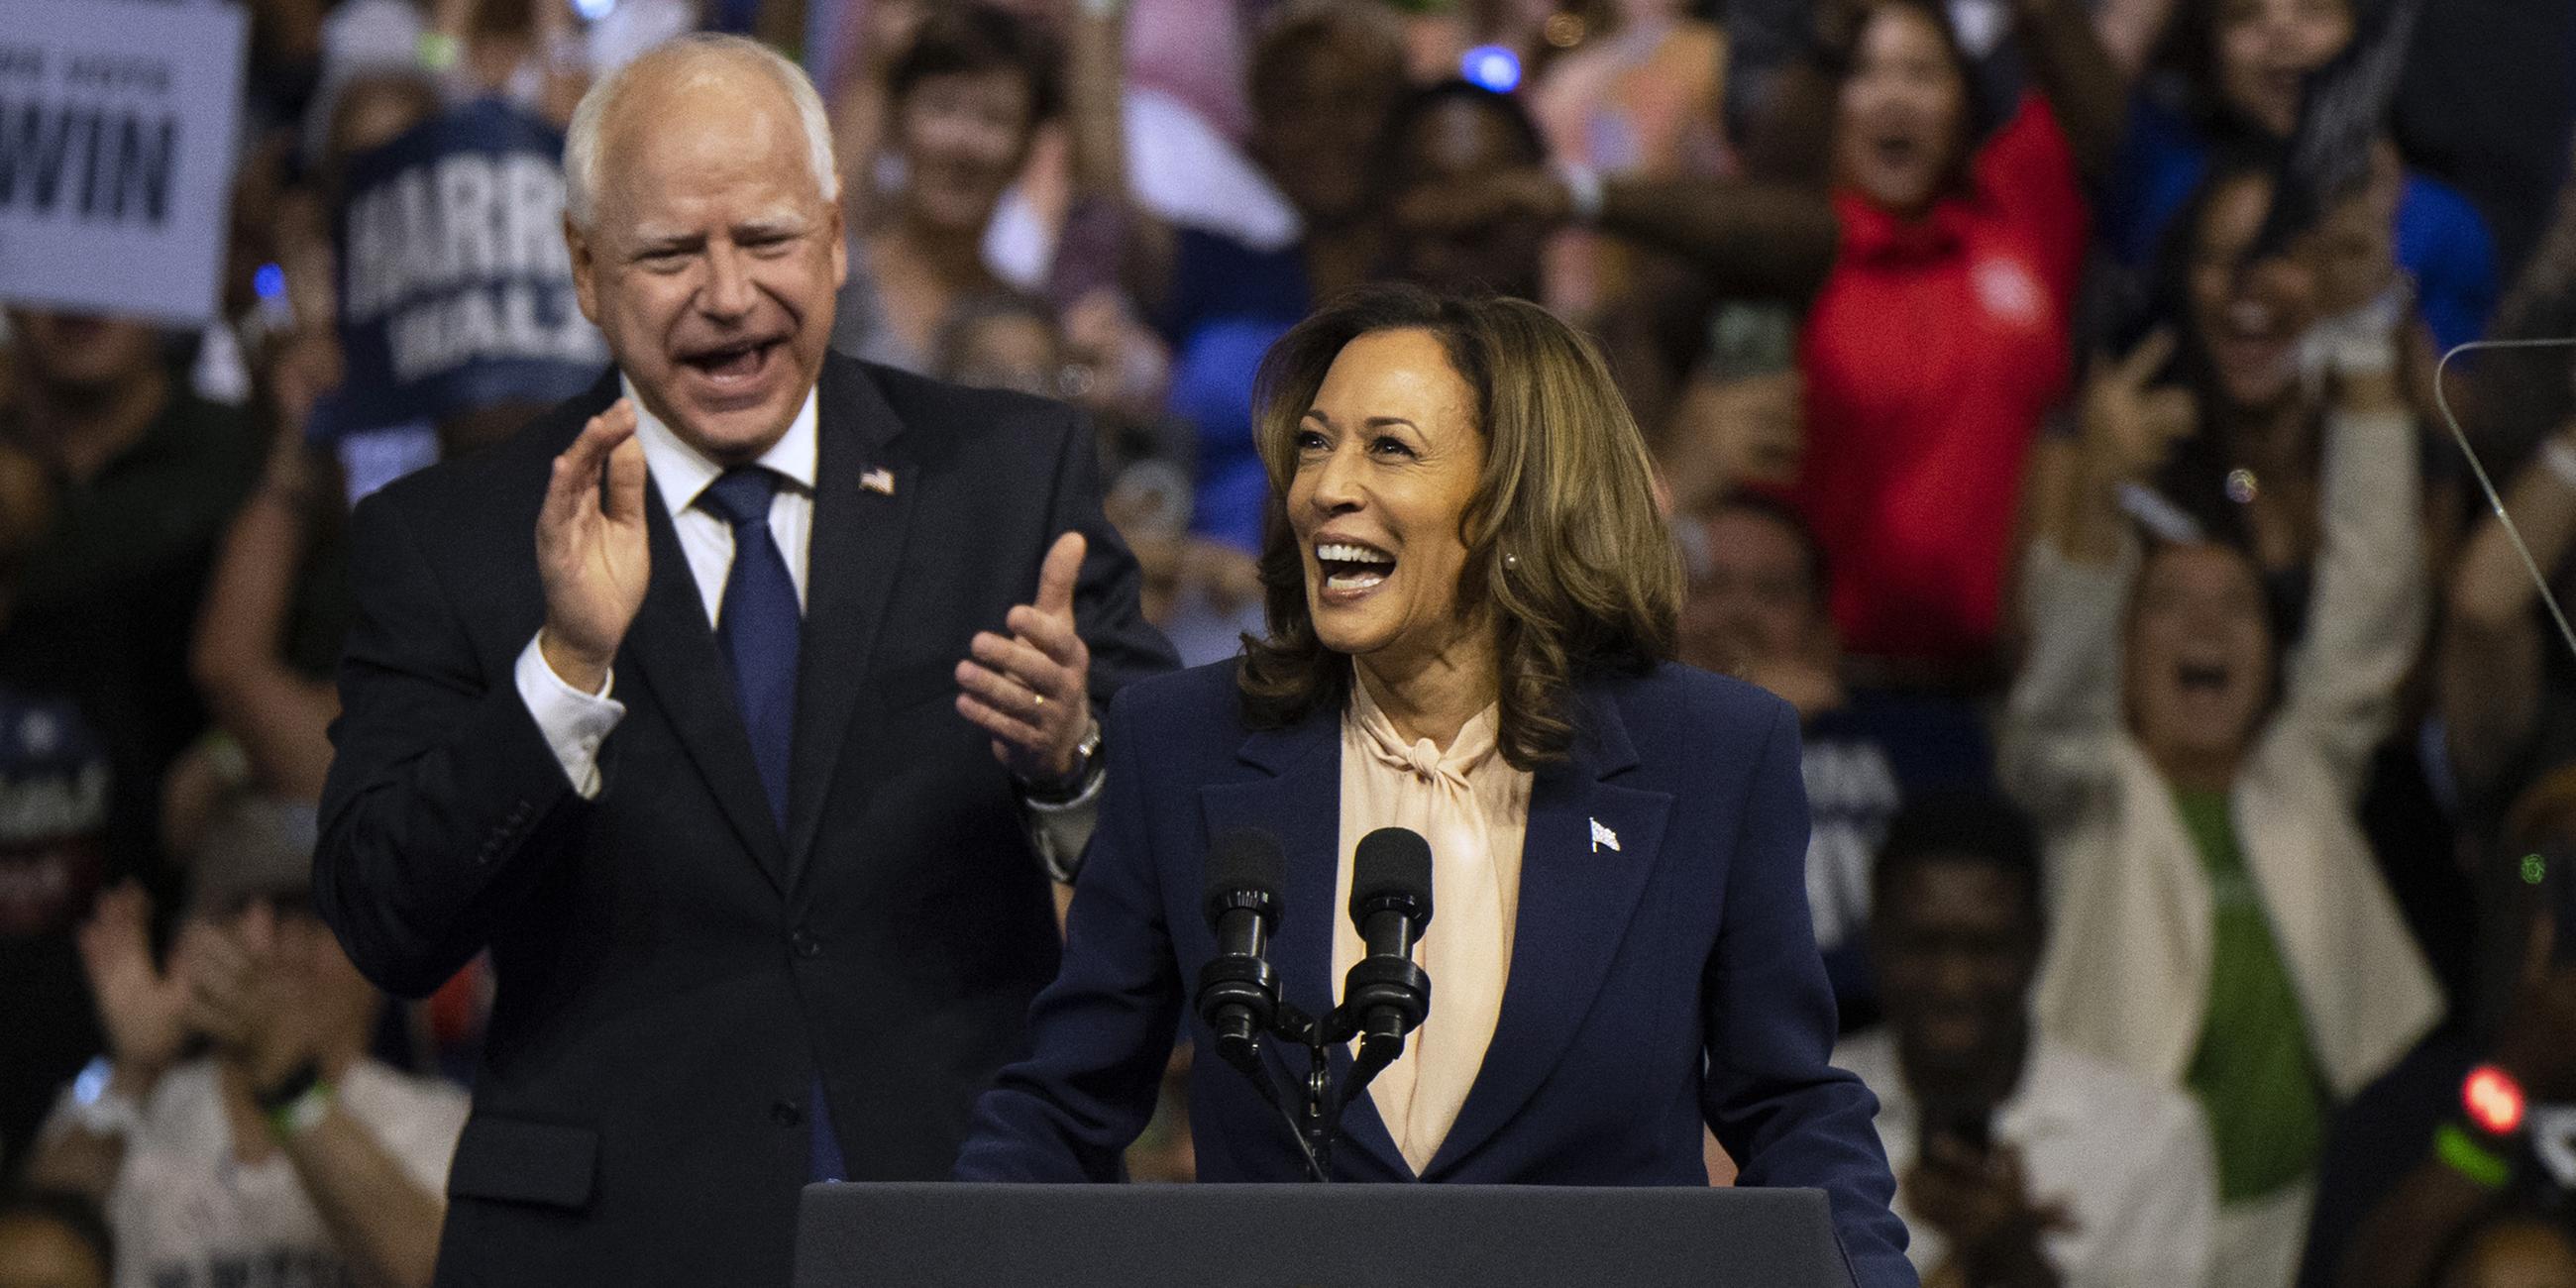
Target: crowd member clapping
2021 1163
284 1144
141 475
2218 924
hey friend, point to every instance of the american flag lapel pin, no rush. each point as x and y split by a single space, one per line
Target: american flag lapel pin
1602 836
879 480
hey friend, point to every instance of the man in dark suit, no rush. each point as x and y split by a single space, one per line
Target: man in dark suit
660 700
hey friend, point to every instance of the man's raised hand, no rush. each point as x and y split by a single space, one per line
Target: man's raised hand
1032 690
591 549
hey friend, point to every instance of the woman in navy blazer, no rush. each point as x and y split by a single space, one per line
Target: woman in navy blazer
1463 522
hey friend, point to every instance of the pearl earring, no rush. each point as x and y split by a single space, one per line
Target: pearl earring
1511 562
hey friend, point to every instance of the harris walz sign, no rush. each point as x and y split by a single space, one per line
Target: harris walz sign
455 288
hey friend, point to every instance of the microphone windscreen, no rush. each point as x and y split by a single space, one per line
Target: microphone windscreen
1247 859
1392 863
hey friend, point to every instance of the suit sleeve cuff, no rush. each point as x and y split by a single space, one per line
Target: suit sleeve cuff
1061 830
574 723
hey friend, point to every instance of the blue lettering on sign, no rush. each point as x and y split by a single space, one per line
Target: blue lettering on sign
90 162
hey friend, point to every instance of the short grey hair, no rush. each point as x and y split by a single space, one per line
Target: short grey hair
581 140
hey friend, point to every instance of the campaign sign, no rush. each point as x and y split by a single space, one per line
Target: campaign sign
455 289
116 148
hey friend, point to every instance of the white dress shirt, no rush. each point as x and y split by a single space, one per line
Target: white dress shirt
576 723
2130 1160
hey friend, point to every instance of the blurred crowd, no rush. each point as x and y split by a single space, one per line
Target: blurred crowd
2191 749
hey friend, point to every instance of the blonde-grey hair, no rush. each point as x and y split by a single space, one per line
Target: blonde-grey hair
581 140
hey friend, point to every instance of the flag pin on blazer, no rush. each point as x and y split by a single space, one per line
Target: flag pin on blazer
879 480
1602 836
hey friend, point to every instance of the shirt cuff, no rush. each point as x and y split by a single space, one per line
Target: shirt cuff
1061 830
574 723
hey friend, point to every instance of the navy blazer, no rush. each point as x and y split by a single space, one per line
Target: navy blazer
675 970
1661 977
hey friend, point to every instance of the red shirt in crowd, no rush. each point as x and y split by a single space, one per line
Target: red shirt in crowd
1931 354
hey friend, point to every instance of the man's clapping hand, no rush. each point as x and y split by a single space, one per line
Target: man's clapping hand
591 549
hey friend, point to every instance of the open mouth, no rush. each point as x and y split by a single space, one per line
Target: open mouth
1896 151
1349 567
736 364
2250 336
2201 678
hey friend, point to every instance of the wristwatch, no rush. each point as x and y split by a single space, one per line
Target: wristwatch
1086 759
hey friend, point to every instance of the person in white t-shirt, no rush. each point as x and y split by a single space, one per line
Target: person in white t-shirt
283 1154
2019 1163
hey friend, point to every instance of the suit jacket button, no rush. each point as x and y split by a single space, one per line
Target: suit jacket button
786 1114
805 944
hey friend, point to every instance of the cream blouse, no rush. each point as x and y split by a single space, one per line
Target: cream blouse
1473 808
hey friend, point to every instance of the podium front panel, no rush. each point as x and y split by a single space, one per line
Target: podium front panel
1311 1236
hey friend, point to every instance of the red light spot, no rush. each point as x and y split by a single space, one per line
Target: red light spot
2493 1101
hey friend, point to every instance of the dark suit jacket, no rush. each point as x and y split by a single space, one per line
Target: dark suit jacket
1670 981
671 969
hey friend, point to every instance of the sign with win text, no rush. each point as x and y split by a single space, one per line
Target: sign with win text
117 120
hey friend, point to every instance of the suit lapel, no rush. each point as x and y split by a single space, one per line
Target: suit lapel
1300 803
850 563
1577 897
674 648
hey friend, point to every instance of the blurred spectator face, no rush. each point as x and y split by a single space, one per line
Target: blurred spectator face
2199 653
2266 48
1902 117
2248 319
1757 599
714 255
1015 350
1318 108
963 137
1957 943
1461 139
78 356
36 1252
2515 1253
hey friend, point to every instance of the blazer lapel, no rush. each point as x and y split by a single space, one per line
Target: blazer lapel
674 648
1578 894
1300 804
850 562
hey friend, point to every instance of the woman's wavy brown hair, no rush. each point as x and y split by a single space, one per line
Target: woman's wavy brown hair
1567 491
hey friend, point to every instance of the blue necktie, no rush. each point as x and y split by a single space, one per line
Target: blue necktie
757 625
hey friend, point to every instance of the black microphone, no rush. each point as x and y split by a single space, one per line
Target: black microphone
1238 991
1390 904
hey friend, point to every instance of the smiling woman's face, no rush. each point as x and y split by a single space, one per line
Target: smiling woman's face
2199 654
1387 460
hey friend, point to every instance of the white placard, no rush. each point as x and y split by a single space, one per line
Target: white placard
117 122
